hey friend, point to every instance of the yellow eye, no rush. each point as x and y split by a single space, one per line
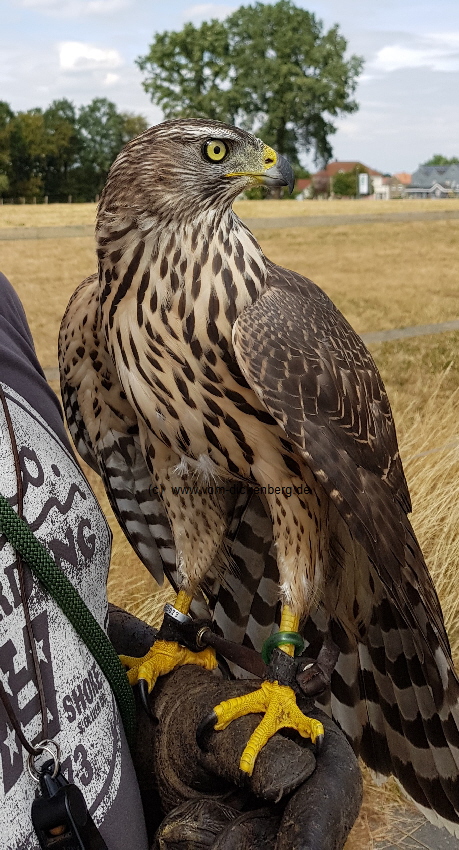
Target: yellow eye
215 150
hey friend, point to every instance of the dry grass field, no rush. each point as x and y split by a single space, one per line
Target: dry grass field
46 215
287 207
381 276
53 215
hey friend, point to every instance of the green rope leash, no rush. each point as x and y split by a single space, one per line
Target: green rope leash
18 533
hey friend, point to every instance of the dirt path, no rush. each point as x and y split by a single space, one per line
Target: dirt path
336 220
407 333
10 234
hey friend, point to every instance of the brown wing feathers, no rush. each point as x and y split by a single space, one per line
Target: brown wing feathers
352 448
394 691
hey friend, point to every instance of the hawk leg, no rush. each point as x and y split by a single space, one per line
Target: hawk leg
278 704
198 524
165 655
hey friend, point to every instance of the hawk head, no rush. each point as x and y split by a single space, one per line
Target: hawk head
186 166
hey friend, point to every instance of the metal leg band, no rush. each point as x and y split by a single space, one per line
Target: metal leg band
175 614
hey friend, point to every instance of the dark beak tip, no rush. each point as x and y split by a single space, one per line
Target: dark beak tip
287 172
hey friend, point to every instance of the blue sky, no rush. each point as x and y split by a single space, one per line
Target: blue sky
408 93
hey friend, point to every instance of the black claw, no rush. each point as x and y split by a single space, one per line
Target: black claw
204 731
144 697
223 666
319 743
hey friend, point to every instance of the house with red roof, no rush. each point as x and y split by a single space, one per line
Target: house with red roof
322 181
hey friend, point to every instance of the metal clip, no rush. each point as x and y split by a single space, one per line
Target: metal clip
60 816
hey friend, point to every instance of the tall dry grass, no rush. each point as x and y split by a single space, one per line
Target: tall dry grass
45 273
430 451
379 275
287 207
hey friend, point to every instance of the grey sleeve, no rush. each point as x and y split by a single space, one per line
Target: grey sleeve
19 366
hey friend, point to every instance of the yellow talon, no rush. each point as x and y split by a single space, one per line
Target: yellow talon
278 703
163 657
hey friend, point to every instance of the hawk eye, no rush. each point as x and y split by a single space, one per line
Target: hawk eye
215 150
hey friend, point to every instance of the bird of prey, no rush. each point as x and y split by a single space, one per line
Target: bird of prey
191 362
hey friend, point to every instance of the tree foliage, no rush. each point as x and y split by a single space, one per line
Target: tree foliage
439 159
269 68
62 151
345 183
188 72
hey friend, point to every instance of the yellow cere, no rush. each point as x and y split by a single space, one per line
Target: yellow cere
269 157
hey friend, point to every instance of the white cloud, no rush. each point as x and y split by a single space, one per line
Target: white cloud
78 56
103 7
75 8
111 79
437 51
207 11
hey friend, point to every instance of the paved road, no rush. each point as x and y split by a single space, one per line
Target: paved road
12 233
407 333
68 231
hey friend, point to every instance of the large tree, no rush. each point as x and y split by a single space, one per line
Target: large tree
269 68
187 72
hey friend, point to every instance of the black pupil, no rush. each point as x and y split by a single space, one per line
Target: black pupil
217 149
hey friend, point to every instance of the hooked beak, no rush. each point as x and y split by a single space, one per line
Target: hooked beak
281 174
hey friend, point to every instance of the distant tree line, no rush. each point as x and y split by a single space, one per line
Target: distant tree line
61 151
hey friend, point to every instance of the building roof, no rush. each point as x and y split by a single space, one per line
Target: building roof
426 175
336 167
391 181
403 177
303 183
